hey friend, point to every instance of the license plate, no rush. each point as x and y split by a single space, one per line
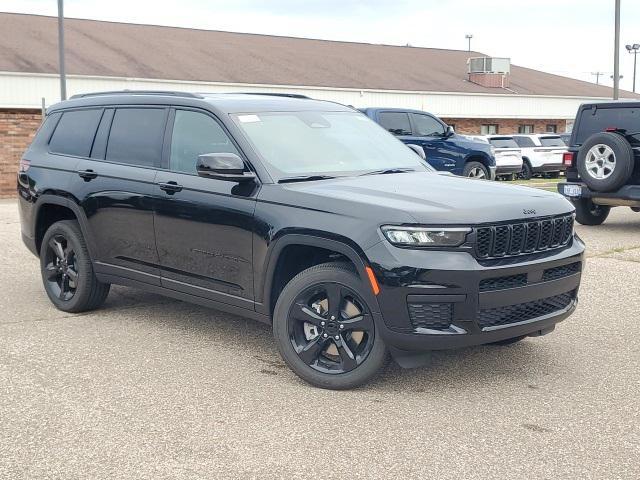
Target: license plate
572 190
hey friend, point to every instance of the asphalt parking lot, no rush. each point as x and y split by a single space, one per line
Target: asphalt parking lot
149 387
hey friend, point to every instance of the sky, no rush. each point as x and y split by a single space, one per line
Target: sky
567 37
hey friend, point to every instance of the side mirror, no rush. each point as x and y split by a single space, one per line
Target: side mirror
449 131
418 150
223 166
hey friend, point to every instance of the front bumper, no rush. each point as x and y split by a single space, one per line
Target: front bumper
453 284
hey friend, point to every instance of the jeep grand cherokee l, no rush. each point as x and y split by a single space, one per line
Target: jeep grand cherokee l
303 214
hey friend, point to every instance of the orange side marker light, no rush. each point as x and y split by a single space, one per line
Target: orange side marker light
372 279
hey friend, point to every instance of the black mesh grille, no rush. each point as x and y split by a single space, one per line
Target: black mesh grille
561 271
500 283
436 316
520 312
518 238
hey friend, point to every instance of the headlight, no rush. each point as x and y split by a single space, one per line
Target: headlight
425 236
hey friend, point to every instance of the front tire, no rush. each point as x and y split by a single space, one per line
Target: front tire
476 170
324 328
67 271
588 213
527 171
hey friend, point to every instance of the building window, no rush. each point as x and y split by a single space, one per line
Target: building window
552 128
525 128
489 129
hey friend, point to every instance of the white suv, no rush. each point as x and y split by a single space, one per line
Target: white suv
507 152
541 153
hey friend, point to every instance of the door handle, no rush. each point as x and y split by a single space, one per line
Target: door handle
170 187
87 175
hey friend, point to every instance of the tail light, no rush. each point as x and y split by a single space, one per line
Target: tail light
567 158
24 165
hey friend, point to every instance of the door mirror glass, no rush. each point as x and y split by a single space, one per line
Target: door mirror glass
418 149
223 166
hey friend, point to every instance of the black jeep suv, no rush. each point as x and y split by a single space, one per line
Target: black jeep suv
299 213
603 160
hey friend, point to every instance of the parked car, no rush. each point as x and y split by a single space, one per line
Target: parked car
603 160
334 233
508 155
445 150
542 154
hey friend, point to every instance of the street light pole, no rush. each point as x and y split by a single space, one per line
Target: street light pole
616 54
469 37
63 76
634 49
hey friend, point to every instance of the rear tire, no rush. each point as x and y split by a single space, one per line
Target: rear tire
305 328
67 271
475 170
588 213
527 171
605 161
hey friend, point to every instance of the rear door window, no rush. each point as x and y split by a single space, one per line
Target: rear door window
595 122
136 136
75 132
395 122
426 126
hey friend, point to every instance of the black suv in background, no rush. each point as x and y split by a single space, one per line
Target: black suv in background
603 160
299 213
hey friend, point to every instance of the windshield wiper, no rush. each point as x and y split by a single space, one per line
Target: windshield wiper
305 178
385 171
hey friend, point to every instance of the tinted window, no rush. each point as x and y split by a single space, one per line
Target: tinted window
505 142
75 131
426 126
593 122
136 136
195 134
524 142
551 142
396 122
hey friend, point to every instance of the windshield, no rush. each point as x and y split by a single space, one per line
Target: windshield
325 143
552 142
503 142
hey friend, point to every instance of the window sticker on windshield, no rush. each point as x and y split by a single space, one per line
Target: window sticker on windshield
248 118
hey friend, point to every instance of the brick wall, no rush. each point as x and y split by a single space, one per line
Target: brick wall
17 128
505 125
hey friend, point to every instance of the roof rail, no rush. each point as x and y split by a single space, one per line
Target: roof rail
139 92
268 94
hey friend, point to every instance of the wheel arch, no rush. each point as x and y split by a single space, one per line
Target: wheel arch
478 157
48 203
327 249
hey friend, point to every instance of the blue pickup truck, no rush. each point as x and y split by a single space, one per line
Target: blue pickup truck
444 149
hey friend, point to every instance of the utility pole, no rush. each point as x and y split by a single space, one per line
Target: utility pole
634 49
468 37
597 75
63 75
616 54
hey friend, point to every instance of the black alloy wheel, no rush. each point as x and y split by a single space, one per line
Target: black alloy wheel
325 329
330 328
61 273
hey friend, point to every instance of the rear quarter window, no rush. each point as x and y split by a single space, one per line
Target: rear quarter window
524 142
591 122
75 132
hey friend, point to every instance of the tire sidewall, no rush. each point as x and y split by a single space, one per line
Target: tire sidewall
471 165
584 214
312 276
71 231
624 161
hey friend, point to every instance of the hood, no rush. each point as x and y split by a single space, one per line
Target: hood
429 198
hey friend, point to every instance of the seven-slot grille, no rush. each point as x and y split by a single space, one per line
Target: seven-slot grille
523 237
